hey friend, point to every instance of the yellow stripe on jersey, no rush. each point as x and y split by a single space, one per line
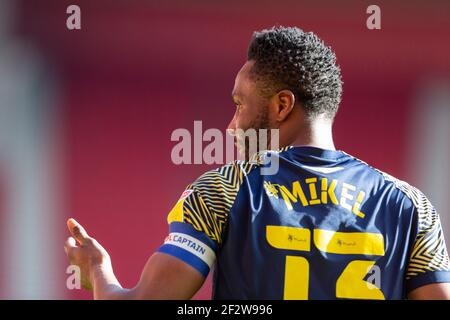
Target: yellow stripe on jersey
429 252
289 238
210 199
351 283
176 214
349 242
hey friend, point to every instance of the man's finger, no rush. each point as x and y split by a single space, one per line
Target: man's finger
77 231
69 245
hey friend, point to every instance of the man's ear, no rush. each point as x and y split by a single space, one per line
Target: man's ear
285 101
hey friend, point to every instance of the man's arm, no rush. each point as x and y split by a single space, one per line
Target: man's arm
163 277
434 291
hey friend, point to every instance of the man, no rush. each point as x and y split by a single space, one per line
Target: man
325 226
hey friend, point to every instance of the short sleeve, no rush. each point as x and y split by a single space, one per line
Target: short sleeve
199 218
428 260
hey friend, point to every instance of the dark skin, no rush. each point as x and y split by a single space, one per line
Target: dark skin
166 277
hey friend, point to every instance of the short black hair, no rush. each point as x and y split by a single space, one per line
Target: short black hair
289 58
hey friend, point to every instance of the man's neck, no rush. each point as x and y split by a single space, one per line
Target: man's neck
315 134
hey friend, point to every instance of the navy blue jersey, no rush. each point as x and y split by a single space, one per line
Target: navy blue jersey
325 226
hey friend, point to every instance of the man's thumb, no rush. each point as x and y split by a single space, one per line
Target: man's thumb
77 231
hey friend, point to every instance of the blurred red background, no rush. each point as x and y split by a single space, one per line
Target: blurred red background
135 72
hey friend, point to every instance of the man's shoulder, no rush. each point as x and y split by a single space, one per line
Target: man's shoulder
233 172
229 174
401 191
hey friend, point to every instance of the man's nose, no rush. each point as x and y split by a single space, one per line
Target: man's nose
232 126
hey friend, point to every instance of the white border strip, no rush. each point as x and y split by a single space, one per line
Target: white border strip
192 245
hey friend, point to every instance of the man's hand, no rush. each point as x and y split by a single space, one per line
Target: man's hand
85 252
163 277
